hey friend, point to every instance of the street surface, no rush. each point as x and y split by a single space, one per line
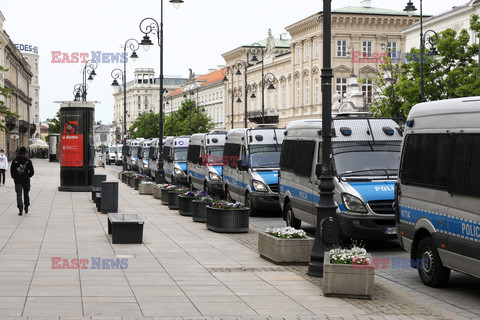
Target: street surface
461 296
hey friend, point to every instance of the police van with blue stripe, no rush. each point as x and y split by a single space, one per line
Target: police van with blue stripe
250 167
204 165
438 190
143 157
175 159
365 154
133 146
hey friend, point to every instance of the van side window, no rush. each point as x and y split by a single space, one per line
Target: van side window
426 160
287 158
166 152
465 174
230 154
193 154
304 158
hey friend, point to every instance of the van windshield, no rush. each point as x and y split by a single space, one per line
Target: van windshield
215 154
367 160
266 156
146 153
180 154
134 151
120 149
112 149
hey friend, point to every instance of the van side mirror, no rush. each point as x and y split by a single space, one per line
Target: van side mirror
318 170
241 165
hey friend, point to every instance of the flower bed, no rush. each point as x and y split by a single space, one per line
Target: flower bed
285 245
185 202
227 217
348 273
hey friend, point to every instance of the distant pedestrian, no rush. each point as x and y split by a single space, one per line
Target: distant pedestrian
22 171
3 166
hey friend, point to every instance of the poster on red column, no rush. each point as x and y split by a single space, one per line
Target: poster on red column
71 140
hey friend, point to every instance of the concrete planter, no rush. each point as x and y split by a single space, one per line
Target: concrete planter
284 250
157 193
346 280
185 205
145 188
199 211
228 220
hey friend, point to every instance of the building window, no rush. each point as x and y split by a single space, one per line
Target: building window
341 86
317 90
366 49
269 99
146 98
298 93
284 95
392 48
341 48
317 51
297 54
276 99
139 106
307 52
367 90
307 92
36 105
146 106
36 92
139 98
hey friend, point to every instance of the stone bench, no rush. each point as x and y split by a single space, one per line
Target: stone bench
125 227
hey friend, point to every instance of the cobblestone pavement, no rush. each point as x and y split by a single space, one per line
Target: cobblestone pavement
181 271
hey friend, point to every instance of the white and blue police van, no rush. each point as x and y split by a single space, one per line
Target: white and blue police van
204 165
175 152
438 189
119 155
152 158
250 167
133 146
111 153
365 153
143 157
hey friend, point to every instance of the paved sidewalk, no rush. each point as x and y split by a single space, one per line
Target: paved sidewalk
181 271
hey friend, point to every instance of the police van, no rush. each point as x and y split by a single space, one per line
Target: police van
143 157
152 158
438 190
119 155
204 165
365 154
111 152
133 147
175 159
250 167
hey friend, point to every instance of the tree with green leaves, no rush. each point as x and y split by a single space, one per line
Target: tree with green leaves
54 123
453 73
181 122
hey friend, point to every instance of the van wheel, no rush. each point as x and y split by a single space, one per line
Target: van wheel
249 204
431 270
290 219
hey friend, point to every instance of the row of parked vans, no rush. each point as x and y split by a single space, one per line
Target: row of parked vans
425 193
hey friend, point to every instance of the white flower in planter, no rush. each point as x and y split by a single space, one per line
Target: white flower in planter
286 233
147 182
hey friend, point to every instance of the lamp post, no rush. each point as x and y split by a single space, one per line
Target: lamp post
133 45
88 69
147 26
430 36
78 91
326 234
198 113
235 70
254 50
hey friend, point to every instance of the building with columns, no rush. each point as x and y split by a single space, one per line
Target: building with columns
142 96
361 35
209 91
17 77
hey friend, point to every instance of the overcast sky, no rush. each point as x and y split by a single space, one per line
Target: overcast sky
196 35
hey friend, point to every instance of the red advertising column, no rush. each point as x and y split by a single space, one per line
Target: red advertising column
76 147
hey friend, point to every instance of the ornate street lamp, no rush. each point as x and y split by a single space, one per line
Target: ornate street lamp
236 70
430 36
88 70
326 233
147 26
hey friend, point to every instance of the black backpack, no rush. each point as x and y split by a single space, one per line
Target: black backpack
22 170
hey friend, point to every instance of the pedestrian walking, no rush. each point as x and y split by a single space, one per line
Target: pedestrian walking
3 166
21 171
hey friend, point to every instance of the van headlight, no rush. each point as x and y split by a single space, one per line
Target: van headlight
145 165
214 176
178 171
259 186
353 203
134 162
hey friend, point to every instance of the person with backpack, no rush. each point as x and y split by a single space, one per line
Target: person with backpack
3 166
21 171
